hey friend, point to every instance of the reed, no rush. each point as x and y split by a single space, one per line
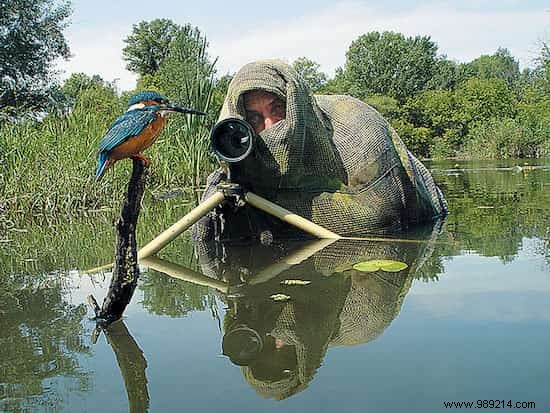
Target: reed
47 166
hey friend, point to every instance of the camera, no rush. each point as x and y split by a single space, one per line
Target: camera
232 139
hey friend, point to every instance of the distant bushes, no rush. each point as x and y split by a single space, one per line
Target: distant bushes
503 138
480 119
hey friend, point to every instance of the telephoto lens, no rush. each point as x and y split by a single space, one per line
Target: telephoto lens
232 139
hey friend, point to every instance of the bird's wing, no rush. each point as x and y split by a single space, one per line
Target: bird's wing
128 125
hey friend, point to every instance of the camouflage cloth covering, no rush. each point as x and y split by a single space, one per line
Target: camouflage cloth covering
340 307
334 160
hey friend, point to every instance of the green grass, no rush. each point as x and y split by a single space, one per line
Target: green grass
47 167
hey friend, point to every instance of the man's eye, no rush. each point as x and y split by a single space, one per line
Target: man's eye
279 109
253 119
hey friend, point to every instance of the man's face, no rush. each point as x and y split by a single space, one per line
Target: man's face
263 109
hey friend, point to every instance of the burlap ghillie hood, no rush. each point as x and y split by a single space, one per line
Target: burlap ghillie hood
334 160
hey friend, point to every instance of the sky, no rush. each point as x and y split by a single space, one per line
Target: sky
242 31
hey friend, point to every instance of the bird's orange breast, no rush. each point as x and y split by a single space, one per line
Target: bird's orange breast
138 143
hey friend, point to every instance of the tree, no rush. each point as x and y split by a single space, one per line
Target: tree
31 38
148 45
186 76
481 99
187 63
445 75
309 70
390 64
387 106
542 70
338 85
79 82
500 65
434 109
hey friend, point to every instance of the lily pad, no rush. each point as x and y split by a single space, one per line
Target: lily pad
384 265
280 297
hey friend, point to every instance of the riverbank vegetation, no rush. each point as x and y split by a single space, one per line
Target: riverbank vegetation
49 132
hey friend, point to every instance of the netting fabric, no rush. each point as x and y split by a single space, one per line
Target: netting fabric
340 307
333 159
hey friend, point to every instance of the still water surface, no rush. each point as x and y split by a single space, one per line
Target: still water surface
468 320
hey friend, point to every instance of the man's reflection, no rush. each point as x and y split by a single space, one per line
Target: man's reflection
280 345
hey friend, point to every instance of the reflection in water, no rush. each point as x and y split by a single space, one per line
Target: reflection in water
280 345
132 365
492 211
41 336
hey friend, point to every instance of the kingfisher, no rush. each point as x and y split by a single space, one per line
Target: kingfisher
136 129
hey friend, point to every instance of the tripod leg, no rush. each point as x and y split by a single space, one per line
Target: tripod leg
176 229
288 216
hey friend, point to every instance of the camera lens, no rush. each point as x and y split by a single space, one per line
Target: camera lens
242 344
232 139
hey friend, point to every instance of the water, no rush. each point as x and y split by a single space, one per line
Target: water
468 319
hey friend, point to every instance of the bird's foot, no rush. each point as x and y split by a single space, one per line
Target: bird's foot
145 161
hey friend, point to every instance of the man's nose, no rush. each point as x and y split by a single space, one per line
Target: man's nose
268 122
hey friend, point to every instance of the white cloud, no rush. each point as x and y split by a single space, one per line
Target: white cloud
98 51
326 34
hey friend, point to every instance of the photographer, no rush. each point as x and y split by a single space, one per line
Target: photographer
331 159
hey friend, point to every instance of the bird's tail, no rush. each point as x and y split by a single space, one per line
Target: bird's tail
103 164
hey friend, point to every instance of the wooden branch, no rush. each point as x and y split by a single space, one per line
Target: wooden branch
126 270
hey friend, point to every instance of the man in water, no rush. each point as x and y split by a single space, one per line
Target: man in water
332 159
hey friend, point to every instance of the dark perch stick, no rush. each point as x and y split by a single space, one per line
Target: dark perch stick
126 270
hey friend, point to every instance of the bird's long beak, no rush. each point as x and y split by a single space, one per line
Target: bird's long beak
181 109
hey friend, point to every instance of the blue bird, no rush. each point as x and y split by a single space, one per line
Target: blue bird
136 129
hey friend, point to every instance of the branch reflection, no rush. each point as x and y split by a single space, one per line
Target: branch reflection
132 365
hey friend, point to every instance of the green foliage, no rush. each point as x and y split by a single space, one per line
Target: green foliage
435 109
481 99
220 90
390 64
148 45
147 82
386 105
446 75
79 82
338 85
446 145
309 70
187 59
500 65
542 71
31 39
504 138
187 77
417 139
50 164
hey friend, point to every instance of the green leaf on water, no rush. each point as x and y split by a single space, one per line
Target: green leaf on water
384 265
